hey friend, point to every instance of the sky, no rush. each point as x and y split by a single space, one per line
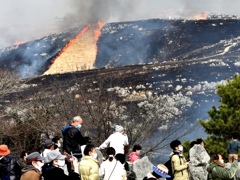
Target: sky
23 20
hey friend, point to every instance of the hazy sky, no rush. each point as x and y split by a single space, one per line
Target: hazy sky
36 13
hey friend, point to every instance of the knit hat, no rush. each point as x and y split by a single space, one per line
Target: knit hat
4 150
118 128
48 142
174 144
161 170
54 155
35 156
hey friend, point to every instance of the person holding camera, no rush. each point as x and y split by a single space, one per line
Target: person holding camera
217 171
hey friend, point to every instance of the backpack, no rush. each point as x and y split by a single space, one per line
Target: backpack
168 164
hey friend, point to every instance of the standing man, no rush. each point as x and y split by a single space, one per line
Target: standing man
73 139
233 147
48 146
178 161
117 140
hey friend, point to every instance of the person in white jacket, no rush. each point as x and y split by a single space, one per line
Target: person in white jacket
117 140
111 169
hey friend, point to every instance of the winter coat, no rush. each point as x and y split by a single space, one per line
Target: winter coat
10 168
72 141
113 168
116 140
89 168
233 147
217 170
52 172
133 156
179 166
29 172
199 159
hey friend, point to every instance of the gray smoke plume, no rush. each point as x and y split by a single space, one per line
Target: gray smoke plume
27 20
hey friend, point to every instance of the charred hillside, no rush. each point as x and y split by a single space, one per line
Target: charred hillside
128 43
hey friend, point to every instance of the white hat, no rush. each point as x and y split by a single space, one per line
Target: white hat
118 128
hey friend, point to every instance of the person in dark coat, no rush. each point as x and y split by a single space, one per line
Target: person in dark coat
73 140
10 167
53 168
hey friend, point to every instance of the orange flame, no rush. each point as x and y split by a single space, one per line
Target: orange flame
71 42
97 33
202 15
18 43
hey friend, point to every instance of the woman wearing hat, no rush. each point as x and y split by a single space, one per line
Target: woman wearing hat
161 171
53 168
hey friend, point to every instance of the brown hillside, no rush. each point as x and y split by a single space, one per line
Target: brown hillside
80 55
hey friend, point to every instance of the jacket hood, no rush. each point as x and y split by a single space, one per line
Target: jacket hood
65 128
214 164
28 168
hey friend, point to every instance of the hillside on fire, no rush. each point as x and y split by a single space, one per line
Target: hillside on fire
156 77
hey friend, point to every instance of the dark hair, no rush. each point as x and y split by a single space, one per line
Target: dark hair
199 140
136 147
156 175
88 148
121 157
56 139
87 140
215 157
23 153
110 151
192 144
235 136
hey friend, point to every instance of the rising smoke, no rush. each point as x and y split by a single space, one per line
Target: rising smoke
27 20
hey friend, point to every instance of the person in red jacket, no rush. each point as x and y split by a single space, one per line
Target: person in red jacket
134 155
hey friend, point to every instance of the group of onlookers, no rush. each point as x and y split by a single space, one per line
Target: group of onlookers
80 159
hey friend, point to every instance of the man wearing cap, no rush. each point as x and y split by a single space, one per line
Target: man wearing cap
10 167
117 140
178 161
53 167
32 170
49 146
161 171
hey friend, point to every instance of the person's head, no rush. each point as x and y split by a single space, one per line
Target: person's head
110 153
234 136
57 143
23 155
77 122
121 158
36 160
137 148
161 171
176 145
55 158
217 157
90 150
200 141
4 151
49 144
119 129
192 144
87 140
